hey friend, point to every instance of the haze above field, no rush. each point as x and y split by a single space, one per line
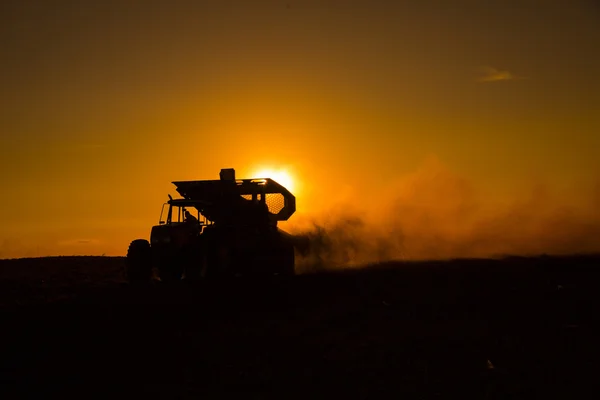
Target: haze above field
467 127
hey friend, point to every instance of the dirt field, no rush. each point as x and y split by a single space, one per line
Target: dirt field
513 328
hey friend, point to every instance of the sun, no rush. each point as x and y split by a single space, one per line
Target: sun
281 176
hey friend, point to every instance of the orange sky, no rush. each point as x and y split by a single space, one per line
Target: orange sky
104 104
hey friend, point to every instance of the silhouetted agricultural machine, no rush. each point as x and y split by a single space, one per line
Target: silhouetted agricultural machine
232 231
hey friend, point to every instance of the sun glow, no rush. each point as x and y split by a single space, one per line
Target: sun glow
280 176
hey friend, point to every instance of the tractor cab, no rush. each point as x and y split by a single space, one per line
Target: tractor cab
180 221
176 210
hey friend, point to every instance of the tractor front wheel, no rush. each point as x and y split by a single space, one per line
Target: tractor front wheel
138 262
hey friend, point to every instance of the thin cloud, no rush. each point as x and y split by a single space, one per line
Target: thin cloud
491 74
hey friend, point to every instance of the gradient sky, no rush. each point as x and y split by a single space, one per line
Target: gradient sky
105 103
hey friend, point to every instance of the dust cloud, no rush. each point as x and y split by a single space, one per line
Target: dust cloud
435 214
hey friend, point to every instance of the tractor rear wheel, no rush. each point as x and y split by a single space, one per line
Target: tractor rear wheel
288 261
138 262
282 262
218 262
192 259
170 266
216 255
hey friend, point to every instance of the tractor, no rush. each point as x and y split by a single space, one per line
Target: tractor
218 228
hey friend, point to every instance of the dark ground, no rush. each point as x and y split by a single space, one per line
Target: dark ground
513 328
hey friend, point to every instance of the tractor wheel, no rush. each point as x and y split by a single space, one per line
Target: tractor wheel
193 261
138 262
216 255
287 261
217 260
170 270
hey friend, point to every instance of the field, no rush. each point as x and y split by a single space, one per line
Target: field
486 329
